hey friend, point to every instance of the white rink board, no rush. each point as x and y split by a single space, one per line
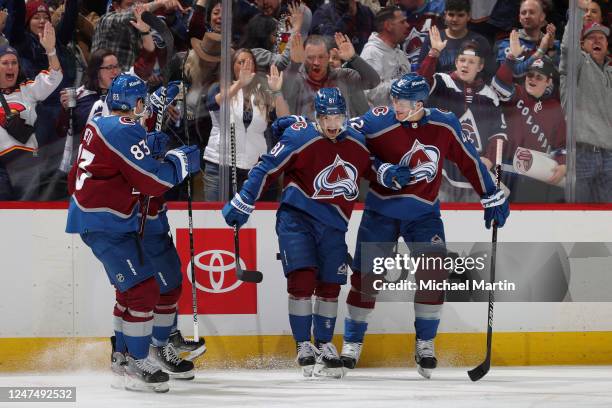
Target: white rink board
54 287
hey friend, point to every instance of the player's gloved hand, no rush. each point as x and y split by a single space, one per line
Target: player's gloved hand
393 176
237 211
157 142
186 160
155 103
282 123
496 208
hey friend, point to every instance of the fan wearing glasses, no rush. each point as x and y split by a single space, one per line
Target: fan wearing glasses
102 68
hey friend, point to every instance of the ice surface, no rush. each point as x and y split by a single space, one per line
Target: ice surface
537 387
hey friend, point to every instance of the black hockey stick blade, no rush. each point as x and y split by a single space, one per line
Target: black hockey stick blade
477 373
245 275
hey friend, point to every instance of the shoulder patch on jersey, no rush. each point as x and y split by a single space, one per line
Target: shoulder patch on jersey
124 120
380 110
299 125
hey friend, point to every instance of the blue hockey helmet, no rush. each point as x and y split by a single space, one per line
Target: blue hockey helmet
410 86
329 101
125 91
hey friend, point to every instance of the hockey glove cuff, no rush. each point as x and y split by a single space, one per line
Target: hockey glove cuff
186 160
237 211
393 176
155 102
496 208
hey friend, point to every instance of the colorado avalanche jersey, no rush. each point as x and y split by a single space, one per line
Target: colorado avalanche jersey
157 217
477 108
321 176
422 146
420 21
533 123
113 165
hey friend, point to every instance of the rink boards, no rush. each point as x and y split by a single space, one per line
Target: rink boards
57 303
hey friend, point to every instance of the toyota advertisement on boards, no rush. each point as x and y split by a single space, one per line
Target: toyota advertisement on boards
219 291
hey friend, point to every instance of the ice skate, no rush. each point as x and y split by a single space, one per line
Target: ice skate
350 354
169 361
187 349
328 363
142 375
306 357
118 363
425 357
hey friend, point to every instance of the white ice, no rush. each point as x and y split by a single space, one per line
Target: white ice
537 387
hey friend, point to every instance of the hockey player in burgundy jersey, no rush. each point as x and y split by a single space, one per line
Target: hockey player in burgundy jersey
409 135
113 165
322 162
536 123
167 342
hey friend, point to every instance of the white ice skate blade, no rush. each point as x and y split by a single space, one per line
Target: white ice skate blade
117 382
320 371
132 384
307 370
192 355
425 372
187 375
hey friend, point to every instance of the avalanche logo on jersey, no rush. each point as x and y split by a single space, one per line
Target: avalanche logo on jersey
415 40
469 130
125 120
337 179
422 160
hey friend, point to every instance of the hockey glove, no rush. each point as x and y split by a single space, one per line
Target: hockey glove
186 160
237 211
393 176
281 124
155 103
157 142
496 208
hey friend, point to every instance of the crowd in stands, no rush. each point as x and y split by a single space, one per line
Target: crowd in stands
501 66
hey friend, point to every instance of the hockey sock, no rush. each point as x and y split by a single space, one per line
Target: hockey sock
325 311
301 286
164 316
118 312
354 331
360 303
174 327
427 320
428 304
300 318
137 322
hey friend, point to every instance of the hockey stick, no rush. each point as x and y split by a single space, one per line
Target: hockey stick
194 289
158 25
477 373
242 274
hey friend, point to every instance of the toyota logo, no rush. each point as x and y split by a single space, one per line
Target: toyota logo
217 263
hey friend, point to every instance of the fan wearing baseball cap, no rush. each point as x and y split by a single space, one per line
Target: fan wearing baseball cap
536 123
593 116
464 93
